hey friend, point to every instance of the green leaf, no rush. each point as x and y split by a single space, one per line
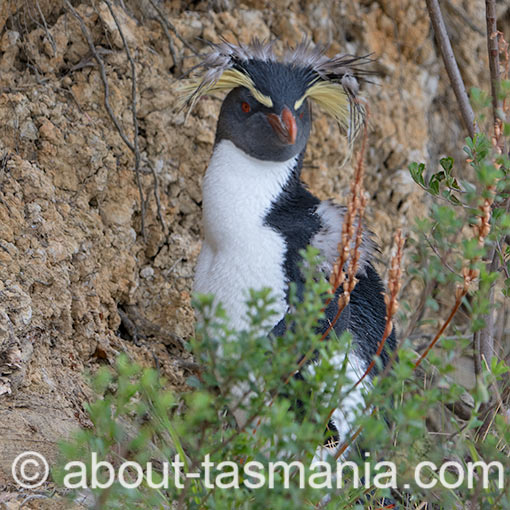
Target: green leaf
416 170
447 164
434 185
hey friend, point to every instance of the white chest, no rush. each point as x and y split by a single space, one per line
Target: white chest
239 252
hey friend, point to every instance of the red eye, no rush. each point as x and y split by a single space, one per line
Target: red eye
245 107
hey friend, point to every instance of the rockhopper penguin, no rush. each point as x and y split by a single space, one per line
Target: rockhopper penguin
257 214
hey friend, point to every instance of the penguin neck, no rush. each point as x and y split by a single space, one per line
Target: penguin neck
239 191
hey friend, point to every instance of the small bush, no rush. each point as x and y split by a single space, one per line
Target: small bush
414 412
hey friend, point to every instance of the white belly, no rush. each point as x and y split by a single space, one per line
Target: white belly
239 252
229 275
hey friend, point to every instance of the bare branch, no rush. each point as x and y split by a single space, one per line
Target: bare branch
102 71
169 26
133 146
452 69
462 14
485 346
493 50
484 339
156 196
136 148
48 34
164 24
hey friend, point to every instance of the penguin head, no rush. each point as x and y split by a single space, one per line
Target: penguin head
267 112
273 126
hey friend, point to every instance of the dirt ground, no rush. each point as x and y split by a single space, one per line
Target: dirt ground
80 281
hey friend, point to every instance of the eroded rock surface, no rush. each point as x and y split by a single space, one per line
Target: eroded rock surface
72 255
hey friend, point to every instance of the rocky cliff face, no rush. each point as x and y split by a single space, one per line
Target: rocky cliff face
79 280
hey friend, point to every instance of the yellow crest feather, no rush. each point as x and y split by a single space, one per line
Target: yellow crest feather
192 91
331 82
331 97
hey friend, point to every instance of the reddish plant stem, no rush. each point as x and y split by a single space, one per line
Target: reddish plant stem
391 301
348 249
458 302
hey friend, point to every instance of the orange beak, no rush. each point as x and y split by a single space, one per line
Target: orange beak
284 126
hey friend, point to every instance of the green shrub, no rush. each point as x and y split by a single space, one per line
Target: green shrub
457 255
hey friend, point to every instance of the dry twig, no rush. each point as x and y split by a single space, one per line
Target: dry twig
133 146
391 299
484 339
493 51
464 16
169 26
348 254
102 71
165 26
348 249
452 69
351 239
481 231
156 196
45 25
